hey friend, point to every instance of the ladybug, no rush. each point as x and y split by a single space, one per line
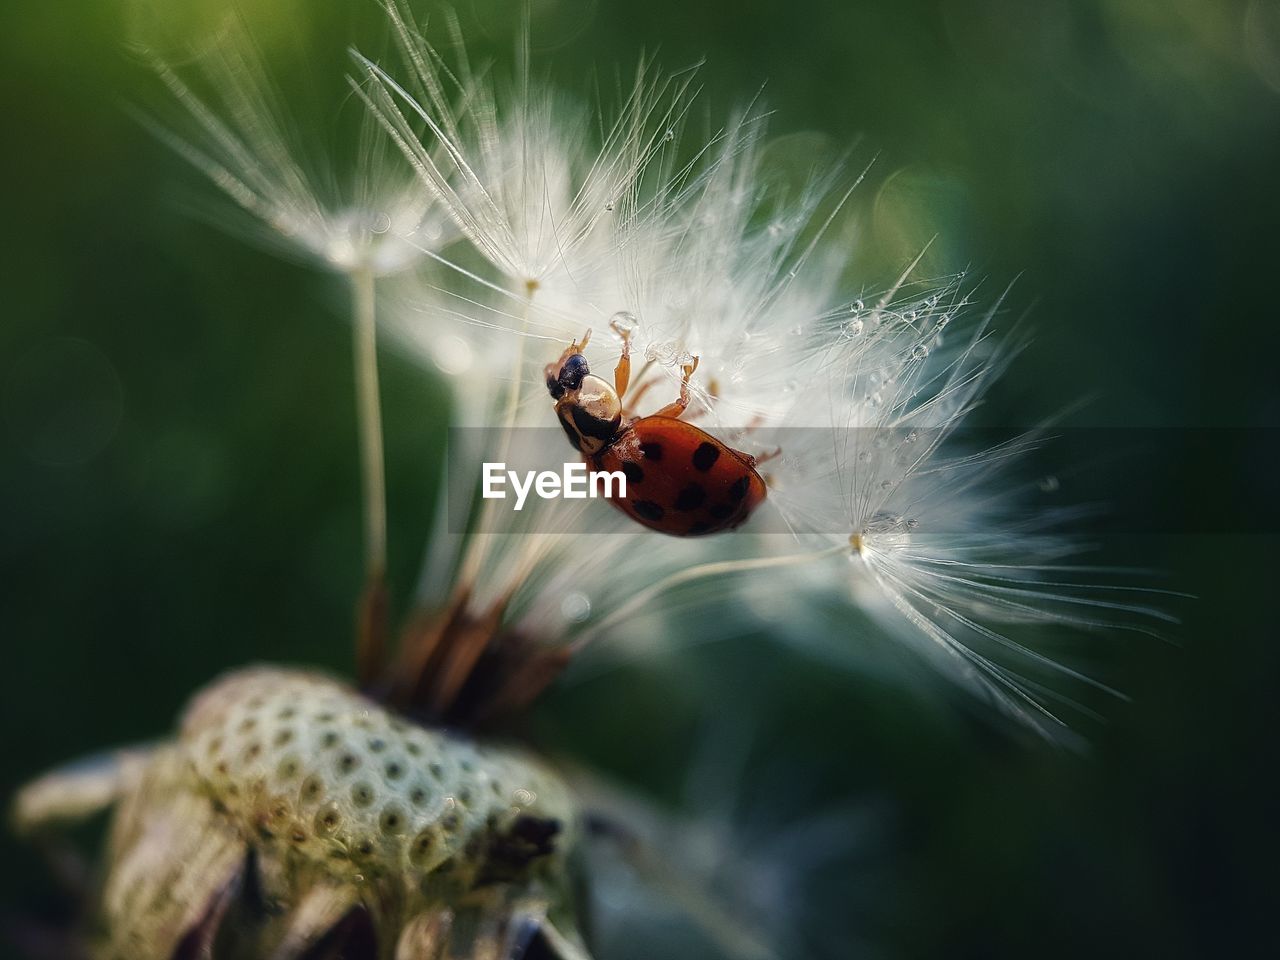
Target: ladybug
680 479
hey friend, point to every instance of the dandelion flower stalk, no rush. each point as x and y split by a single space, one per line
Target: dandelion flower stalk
372 614
704 571
476 549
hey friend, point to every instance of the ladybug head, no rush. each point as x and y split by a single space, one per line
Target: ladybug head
567 376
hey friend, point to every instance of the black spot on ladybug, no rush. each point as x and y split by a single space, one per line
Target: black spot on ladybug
698 528
705 457
571 434
648 509
632 471
721 511
740 487
691 497
651 450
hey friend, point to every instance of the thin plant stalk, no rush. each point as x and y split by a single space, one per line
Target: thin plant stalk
704 571
478 547
372 612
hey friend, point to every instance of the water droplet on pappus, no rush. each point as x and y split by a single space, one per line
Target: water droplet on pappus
575 607
624 321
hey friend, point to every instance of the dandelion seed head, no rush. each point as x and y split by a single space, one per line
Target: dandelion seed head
854 398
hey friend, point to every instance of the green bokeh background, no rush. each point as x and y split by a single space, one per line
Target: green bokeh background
1119 155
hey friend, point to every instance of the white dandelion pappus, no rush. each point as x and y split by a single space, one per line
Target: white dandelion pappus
280 169
518 171
939 547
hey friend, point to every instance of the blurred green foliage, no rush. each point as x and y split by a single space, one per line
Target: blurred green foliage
178 481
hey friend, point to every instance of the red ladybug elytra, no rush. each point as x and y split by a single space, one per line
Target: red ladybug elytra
680 479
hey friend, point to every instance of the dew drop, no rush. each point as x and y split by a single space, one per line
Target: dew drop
624 321
919 351
575 607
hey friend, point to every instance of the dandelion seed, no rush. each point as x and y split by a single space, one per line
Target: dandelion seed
281 172
371 220
515 171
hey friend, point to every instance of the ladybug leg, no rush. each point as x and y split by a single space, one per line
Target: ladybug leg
622 372
677 407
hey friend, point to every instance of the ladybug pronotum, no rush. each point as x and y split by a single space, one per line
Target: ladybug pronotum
680 479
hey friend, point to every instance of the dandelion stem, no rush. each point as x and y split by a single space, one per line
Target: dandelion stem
478 547
702 571
372 611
